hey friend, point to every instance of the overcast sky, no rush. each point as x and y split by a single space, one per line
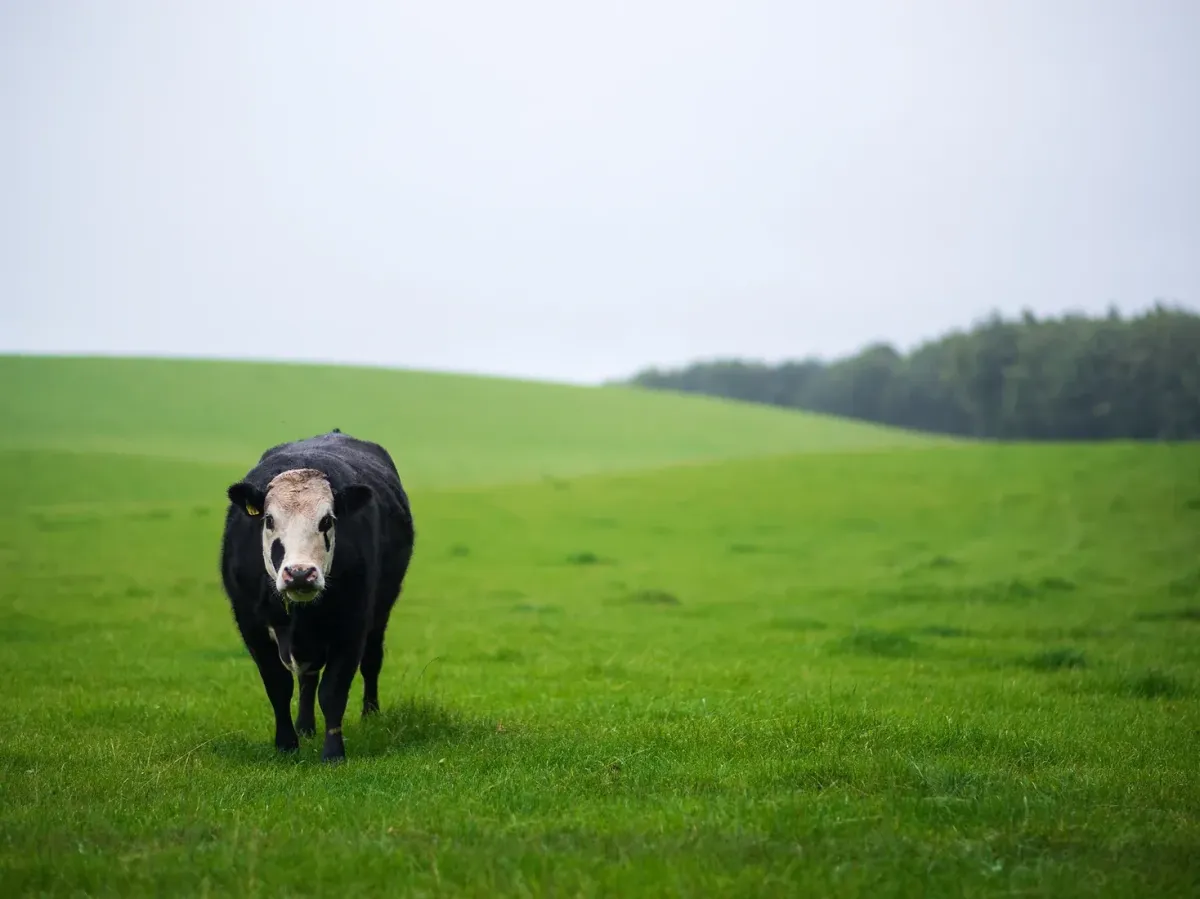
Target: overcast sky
574 191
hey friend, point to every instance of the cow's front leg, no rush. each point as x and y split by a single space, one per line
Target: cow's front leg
306 719
333 694
279 685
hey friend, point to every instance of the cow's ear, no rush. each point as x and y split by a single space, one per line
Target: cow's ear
247 497
350 499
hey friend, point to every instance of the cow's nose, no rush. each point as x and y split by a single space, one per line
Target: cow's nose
299 574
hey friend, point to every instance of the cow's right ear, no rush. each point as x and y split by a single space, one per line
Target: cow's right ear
350 499
247 497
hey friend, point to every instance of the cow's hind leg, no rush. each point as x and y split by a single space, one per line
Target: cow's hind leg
372 663
306 718
279 686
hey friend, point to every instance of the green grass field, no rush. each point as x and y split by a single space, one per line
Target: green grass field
650 645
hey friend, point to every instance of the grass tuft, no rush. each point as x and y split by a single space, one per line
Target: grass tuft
745 549
655 598
1187 613
583 558
1154 685
1057 659
1186 586
871 642
798 623
941 630
1055 584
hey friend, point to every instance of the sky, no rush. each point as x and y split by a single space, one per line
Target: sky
574 191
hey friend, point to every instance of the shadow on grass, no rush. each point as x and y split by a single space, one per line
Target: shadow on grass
414 722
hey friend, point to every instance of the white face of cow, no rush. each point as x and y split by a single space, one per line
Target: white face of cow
299 512
298 534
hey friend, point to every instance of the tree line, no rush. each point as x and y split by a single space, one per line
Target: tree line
1069 378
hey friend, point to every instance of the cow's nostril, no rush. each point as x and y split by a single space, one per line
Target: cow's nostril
303 574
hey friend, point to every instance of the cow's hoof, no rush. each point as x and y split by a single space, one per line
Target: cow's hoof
285 738
334 749
369 709
306 728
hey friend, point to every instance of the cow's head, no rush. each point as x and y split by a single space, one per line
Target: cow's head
299 513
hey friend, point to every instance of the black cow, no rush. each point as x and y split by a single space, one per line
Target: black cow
318 539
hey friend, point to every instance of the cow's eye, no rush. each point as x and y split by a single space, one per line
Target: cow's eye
269 523
325 523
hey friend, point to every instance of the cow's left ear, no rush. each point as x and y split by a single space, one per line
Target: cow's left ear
350 499
247 497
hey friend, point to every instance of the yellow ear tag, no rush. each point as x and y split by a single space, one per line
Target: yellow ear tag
252 510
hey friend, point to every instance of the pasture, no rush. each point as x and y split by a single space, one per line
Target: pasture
650 645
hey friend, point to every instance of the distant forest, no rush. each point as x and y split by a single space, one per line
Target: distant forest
1069 378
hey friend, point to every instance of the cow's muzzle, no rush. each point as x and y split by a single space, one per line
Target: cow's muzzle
300 582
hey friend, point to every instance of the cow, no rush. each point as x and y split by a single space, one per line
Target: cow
318 539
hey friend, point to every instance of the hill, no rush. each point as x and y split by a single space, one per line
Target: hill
444 430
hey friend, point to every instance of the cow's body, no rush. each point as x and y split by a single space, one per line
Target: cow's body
334 620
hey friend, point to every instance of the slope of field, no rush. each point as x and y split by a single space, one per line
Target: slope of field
969 670
445 430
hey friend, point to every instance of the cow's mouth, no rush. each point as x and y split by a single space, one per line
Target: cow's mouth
301 593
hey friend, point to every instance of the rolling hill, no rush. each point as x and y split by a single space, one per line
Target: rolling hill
444 430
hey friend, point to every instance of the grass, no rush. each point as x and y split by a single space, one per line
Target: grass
931 670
